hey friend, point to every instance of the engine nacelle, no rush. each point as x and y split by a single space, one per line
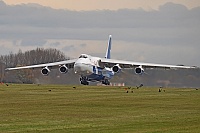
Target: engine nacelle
139 70
63 69
45 71
116 68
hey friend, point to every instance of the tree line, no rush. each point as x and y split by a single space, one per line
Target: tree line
31 57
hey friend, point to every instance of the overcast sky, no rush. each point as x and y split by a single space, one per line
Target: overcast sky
157 32
105 4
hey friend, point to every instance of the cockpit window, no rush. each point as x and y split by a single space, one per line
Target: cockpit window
83 56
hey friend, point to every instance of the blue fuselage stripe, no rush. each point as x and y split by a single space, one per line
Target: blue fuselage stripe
100 74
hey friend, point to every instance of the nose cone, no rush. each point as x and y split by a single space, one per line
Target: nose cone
82 67
77 67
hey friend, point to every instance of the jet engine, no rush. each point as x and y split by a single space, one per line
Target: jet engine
45 71
116 68
139 70
63 69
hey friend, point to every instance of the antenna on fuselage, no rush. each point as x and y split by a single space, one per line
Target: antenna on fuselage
108 56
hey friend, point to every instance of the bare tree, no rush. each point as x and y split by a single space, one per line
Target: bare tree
31 57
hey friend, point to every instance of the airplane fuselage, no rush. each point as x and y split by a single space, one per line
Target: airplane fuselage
89 70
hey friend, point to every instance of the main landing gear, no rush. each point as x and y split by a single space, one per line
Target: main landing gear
84 81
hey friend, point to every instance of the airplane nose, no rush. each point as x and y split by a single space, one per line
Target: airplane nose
81 68
77 67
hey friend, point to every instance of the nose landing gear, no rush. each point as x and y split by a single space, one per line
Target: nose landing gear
106 82
84 81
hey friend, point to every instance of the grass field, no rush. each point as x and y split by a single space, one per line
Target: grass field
59 108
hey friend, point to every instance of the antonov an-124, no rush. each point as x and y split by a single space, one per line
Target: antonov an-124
96 69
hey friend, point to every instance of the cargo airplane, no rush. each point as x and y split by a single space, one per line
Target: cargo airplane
96 69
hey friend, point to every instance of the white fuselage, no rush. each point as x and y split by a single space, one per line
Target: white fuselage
88 66
85 65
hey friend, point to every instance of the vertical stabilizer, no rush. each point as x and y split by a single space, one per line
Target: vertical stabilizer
108 56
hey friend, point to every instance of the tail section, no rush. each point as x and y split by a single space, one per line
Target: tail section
108 56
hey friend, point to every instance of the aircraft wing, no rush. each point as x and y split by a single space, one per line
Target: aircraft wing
129 64
68 63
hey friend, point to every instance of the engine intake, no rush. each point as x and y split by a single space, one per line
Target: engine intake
63 69
45 71
116 68
139 70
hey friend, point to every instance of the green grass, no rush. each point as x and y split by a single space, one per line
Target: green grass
33 108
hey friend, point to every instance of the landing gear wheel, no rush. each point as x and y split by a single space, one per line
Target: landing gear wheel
106 82
84 81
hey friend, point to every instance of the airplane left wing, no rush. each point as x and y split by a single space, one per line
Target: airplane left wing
68 63
129 64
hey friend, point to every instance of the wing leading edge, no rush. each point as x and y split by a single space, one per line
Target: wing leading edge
129 64
51 65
